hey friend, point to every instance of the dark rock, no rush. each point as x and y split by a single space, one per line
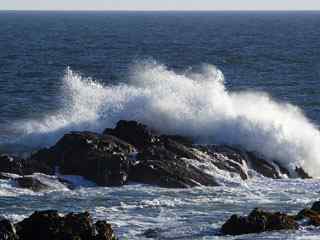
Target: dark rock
105 231
7 230
258 221
152 233
11 164
31 183
302 173
263 167
170 174
316 206
41 225
43 161
312 217
134 133
99 158
50 225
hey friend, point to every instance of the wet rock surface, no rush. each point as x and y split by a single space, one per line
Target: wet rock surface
50 225
132 151
261 221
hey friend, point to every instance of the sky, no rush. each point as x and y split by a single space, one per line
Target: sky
160 5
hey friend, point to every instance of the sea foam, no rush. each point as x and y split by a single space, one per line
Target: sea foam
192 103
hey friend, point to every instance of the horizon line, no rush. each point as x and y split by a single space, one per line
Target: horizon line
161 10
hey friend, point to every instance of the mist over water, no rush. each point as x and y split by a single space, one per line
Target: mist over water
194 103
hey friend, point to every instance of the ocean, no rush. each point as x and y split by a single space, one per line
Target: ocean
241 78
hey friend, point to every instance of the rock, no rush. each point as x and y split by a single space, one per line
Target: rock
163 160
316 206
134 133
312 217
7 230
104 230
50 225
170 174
164 163
99 158
11 164
31 183
43 161
258 221
152 233
302 173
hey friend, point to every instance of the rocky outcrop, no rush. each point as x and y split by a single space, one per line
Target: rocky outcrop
11 164
260 221
134 133
99 158
50 225
132 151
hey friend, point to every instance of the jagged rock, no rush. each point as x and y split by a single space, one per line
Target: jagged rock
170 174
258 221
99 158
164 160
50 225
7 230
31 183
104 230
134 133
11 164
302 173
163 163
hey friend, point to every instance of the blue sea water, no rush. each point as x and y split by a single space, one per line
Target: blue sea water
61 71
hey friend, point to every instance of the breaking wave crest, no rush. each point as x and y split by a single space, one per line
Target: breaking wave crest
195 104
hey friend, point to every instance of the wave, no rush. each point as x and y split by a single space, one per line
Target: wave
192 103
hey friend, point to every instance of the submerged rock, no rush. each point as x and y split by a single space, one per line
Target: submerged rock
50 225
154 233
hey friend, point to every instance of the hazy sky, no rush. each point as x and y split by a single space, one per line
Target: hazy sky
160 4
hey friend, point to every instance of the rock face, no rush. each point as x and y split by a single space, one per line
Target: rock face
50 225
99 158
11 164
258 221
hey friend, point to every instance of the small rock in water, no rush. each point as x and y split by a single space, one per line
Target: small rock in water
258 221
31 183
152 233
50 225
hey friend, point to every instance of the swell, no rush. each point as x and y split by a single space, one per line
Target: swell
195 104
